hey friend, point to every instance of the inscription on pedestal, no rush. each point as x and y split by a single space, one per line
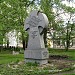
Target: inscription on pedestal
45 54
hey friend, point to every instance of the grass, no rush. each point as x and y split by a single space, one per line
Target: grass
62 52
69 74
27 69
7 58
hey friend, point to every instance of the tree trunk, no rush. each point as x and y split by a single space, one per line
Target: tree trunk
67 40
23 41
7 43
45 37
67 45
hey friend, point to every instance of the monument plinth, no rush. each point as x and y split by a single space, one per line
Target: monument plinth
34 25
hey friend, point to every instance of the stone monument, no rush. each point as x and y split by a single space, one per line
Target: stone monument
34 25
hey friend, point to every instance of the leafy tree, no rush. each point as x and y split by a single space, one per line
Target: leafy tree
70 25
47 7
61 31
13 14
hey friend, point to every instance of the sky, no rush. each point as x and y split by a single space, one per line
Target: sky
67 16
64 15
71 4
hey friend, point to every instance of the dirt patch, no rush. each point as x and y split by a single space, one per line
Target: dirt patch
58 57
55 64
60 61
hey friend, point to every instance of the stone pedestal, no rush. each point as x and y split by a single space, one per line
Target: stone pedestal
39 56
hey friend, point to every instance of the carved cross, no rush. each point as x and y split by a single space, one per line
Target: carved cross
34 25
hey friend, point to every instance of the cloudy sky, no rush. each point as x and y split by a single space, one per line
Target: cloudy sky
64 15
71 3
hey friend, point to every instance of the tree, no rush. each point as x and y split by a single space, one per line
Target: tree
68 25
47 7
13 14
57 24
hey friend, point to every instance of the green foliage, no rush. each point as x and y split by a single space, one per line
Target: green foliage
61 31
46 7
14 12
12 15
68 9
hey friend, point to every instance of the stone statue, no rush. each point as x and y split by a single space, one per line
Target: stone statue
34 25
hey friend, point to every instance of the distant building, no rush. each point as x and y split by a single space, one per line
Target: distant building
13 38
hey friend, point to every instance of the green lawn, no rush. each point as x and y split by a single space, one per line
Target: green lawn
28 69
69 53
7 58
